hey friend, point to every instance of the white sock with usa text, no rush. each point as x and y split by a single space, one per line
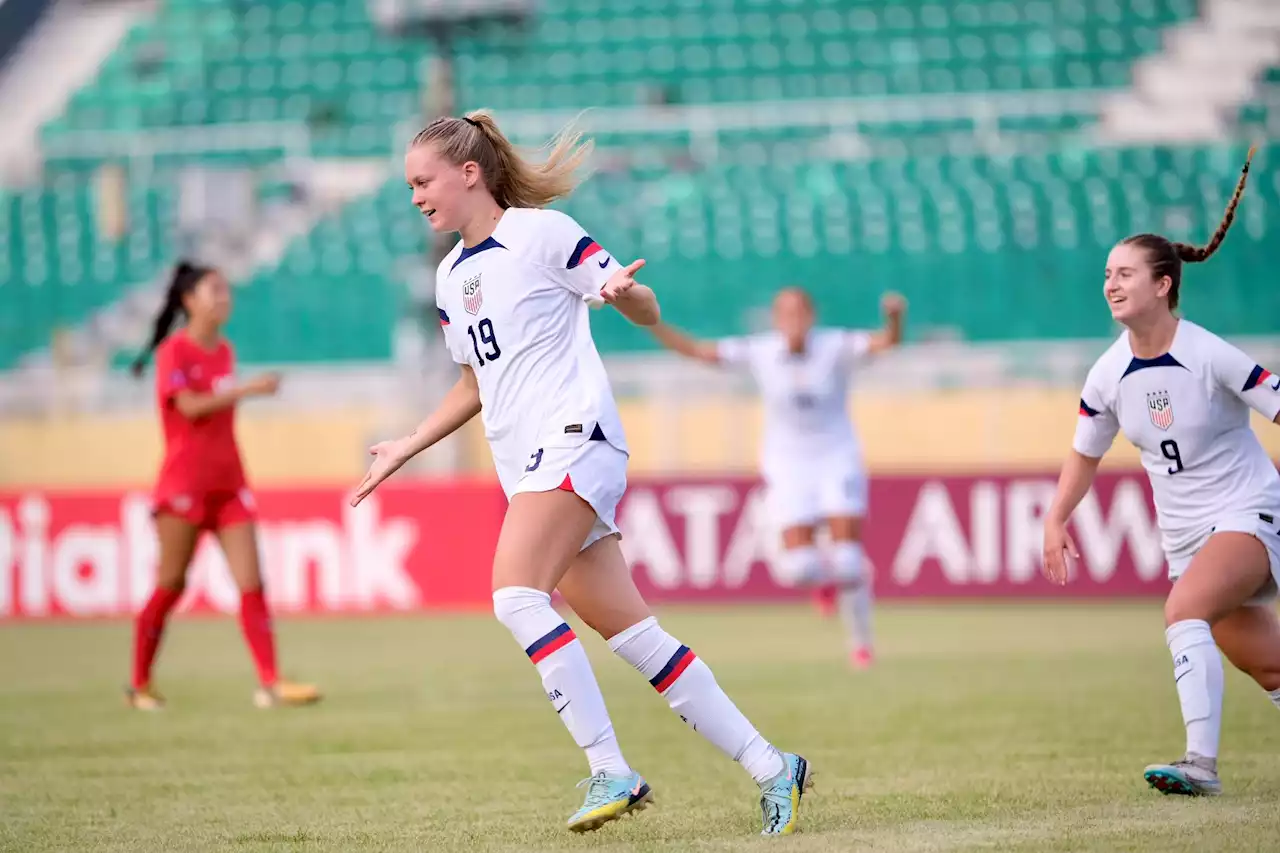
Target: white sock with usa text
692 692
566 673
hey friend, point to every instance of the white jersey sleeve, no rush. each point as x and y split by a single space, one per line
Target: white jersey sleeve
447 331
856 346
1243 377
1098 425
577 261
735 352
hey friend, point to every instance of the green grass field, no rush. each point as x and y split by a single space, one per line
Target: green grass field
1009 727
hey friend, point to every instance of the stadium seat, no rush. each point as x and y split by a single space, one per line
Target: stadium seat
987 247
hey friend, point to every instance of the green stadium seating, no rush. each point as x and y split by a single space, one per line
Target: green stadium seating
56 266
602 53
203 62
338 292
987 247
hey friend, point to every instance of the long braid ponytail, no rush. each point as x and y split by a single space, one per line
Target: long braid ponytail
1196 254
1167 257
184 279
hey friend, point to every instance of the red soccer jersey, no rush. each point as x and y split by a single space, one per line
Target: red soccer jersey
200 455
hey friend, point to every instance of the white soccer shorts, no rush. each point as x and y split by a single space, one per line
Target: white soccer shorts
805 493
1264 526
595 471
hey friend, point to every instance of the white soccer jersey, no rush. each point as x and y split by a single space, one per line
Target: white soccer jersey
513 308
1187 411
805 396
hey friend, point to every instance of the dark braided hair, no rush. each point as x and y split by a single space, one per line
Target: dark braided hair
1167 257
184 280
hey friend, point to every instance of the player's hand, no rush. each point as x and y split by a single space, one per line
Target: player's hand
893 304
620 282
265 385
1059 548
388 456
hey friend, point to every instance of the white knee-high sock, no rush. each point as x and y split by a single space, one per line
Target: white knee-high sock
1275 697
853 592
692 692
1197 672
566 673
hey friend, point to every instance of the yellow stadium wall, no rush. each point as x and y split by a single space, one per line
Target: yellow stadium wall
958 431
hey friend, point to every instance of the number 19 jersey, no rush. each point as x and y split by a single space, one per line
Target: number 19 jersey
514 309
1187 411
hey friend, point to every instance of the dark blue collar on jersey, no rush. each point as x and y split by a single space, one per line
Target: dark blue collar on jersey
1166 360
468 251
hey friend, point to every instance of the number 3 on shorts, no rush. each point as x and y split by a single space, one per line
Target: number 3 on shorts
537 460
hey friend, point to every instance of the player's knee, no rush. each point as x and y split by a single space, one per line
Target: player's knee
847 564
512 603
1180 608
174 580
804 564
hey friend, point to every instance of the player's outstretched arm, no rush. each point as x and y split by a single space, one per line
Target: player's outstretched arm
460 404
633 300
1073 484
685 344
195 404
894 308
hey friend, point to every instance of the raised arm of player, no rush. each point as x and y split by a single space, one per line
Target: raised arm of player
635 301
460 404
894 308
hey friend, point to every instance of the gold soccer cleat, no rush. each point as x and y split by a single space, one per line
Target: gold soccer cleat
286 694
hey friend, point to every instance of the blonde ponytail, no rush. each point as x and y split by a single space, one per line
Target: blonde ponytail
512 180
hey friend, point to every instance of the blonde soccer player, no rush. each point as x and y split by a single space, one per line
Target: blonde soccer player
1182 396
513 299
811 459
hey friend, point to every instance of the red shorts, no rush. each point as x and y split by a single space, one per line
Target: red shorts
213 511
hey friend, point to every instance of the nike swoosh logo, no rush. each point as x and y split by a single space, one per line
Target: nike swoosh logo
562 707
604 263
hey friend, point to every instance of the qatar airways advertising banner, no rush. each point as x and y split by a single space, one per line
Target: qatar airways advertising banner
428 546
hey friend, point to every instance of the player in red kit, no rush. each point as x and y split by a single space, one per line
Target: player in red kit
202 484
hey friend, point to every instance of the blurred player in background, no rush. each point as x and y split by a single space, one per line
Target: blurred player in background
202 484
811 460
513 297
1182 396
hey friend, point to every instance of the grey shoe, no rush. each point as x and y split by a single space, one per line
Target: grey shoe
1192 776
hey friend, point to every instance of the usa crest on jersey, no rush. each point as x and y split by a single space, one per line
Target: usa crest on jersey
1160 409
472 298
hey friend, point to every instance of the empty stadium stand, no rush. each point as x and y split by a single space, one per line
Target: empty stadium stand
988 246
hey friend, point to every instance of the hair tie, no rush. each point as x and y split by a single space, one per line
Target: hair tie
471 122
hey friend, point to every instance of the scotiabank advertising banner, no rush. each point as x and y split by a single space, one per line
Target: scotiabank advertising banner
428 546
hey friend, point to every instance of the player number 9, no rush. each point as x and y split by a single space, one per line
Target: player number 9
1169 448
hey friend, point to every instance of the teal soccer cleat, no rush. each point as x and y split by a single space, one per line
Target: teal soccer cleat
1191 776
780 796
609 798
